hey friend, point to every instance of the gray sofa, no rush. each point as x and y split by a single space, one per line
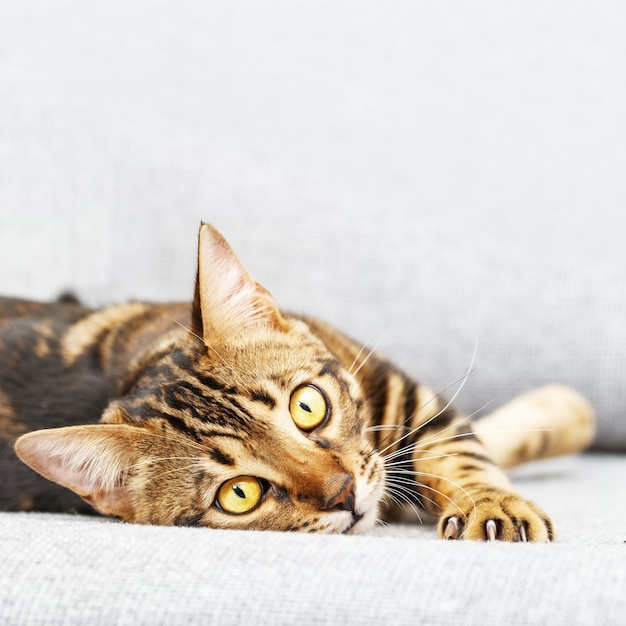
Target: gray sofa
434 178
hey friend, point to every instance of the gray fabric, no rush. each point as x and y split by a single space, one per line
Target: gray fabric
77 570
427 176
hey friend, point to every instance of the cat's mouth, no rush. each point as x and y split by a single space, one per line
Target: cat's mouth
362 522
356 518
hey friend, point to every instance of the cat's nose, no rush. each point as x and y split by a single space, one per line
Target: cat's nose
343 500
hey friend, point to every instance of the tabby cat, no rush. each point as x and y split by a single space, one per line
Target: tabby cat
230 413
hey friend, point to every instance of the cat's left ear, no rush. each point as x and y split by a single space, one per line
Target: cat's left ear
93 461
227 300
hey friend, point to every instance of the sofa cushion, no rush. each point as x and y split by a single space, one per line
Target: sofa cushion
71 570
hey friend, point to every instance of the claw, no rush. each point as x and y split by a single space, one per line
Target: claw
491 530
452 529
522 532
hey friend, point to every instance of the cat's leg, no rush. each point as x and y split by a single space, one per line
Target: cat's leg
458 471
472 497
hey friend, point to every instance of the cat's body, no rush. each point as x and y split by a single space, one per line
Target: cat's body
50 378
232 414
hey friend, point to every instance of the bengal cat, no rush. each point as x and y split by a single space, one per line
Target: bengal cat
229 413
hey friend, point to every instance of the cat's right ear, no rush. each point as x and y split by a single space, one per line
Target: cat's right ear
227 300
94 461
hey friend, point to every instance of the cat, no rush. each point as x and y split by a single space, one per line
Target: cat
229 413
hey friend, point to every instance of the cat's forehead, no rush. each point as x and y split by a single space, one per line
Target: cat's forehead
270 355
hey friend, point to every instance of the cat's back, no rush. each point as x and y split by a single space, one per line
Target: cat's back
67 309
28 326
36 387
37 390
30 331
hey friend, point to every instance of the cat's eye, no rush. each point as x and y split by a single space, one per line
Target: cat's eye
308 407
240 495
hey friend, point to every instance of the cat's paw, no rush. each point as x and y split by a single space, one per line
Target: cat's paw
501 516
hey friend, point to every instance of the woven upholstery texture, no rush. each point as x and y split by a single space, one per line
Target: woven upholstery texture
70 570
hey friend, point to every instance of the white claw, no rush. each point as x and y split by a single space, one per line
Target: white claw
452 529
491 530
522 532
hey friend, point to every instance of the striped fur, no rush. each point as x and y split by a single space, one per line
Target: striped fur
148 412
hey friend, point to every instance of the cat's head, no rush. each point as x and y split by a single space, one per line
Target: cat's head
244 419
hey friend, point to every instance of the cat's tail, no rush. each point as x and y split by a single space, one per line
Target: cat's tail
548 421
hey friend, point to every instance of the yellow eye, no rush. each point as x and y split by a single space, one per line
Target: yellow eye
308 407
240 494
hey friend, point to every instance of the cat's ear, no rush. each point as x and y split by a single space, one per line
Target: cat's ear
91 460
227 299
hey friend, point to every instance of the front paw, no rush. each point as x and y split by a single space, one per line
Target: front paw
496 515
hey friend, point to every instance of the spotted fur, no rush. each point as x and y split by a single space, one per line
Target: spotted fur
144 411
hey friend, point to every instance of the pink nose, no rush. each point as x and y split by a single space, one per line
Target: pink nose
343 500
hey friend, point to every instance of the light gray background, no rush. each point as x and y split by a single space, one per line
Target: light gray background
429 176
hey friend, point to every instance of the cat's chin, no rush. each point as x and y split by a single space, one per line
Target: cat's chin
362 523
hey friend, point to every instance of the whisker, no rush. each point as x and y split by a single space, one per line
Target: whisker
442 455
440 493
435 397
419 496
235 373
404 494
416 448
358 354
379 427
389 496
453 483
472 434
186 328
436 415
461 420
367 357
